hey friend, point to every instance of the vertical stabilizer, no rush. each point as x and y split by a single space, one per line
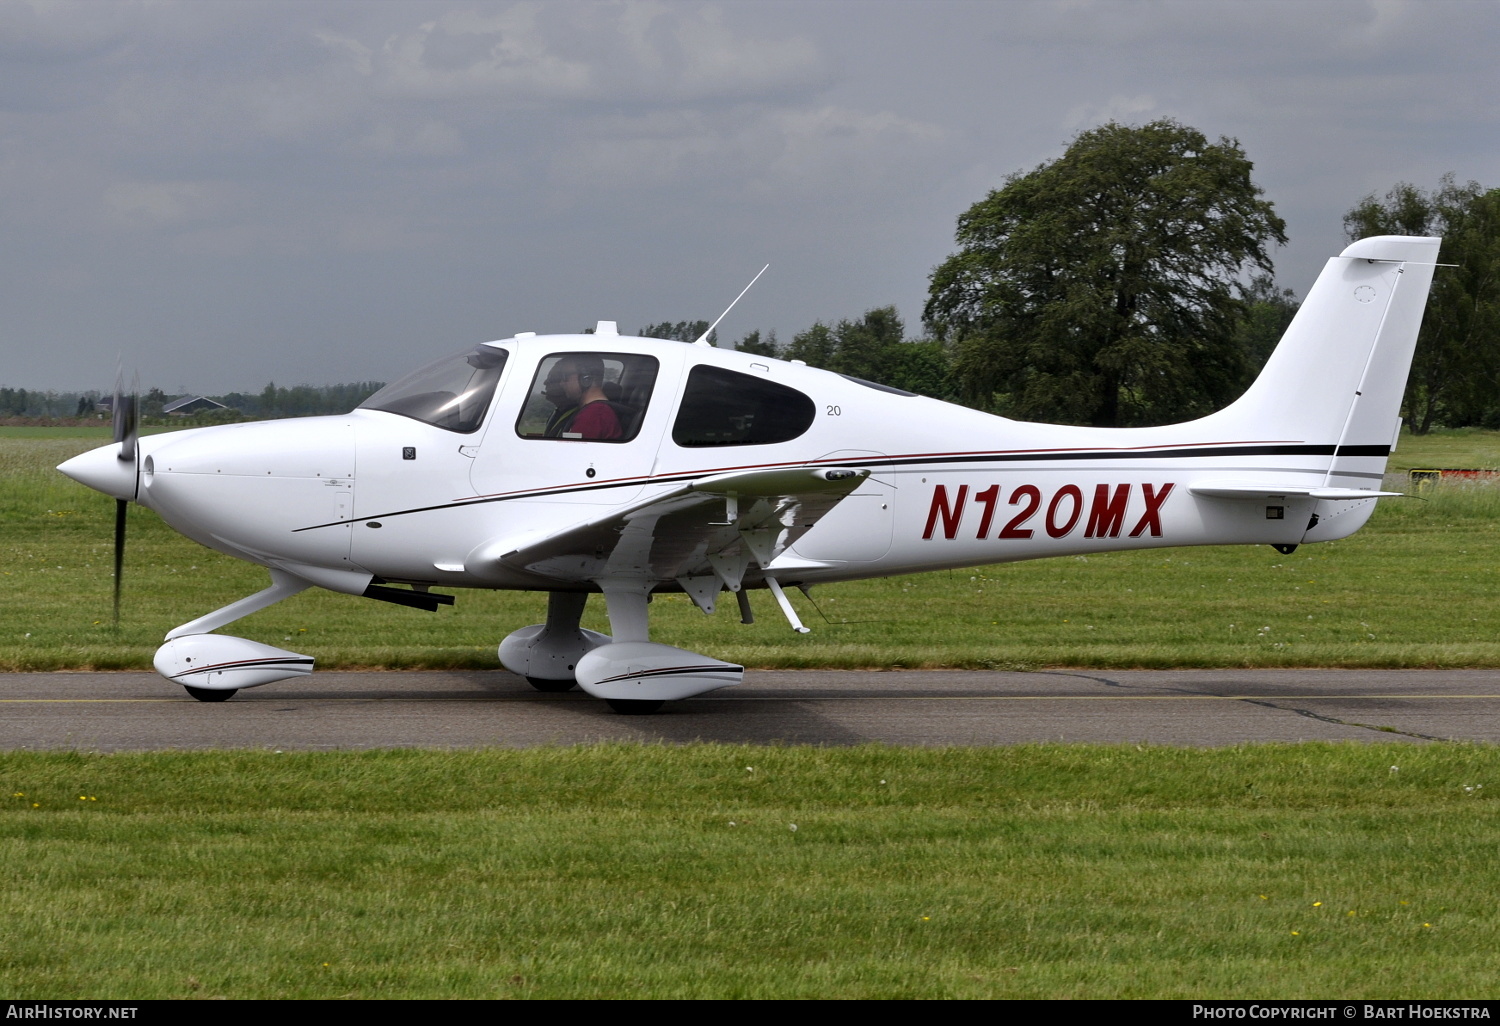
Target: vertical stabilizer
1338 374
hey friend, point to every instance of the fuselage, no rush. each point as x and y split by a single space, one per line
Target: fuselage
579 463
412 491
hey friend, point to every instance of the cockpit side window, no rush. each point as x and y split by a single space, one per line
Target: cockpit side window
722 407
588 397
452 393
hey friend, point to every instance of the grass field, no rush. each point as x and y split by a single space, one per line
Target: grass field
616 871
1045 871
1417 587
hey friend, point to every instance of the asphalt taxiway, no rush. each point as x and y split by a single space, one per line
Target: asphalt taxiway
125 711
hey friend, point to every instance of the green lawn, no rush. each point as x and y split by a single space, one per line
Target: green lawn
1417 587
1328 871
1460 448
97 435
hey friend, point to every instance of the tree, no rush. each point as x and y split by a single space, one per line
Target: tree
864 347
920 366
1268 313
153 401
814 347
875 348
861 348
757 346
1103 288
1455 374
682 331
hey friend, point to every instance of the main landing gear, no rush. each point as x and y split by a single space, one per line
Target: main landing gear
634 676
547 654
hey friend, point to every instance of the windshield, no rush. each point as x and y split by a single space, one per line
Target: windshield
452 393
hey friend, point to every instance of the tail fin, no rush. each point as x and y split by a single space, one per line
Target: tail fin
1338 374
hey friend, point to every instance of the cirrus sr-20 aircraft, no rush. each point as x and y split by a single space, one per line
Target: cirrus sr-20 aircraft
600 463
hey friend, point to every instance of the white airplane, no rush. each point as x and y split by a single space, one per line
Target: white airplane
575 464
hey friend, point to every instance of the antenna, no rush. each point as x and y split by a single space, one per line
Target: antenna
703 339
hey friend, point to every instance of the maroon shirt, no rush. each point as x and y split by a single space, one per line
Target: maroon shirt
595 422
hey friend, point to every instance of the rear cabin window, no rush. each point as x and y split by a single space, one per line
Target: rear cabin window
721 407
588 397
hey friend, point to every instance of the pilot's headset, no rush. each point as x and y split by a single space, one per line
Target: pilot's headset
590 371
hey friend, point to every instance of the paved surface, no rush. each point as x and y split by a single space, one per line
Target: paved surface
114 711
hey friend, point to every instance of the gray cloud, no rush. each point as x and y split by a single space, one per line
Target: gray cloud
228 193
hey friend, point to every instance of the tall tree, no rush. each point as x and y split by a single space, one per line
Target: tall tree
1268 312
1455 374
1103 288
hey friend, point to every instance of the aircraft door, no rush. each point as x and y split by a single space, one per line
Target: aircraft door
584 430
411 465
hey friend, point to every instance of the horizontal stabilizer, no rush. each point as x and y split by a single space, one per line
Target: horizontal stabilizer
1258 492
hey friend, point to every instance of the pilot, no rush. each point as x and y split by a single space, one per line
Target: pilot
563 407
576 387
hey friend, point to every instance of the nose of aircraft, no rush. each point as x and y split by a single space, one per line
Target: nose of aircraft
102 470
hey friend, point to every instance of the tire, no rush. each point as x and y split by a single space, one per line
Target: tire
543 684
211 694
635 706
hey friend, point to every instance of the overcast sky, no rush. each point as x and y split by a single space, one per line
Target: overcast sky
225 194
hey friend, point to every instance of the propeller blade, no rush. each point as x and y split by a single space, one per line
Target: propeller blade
120 506
114 405
126 416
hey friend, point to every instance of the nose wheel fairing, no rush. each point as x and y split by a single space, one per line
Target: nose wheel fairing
214 666
219 662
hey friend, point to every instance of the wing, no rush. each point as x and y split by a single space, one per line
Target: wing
701 534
